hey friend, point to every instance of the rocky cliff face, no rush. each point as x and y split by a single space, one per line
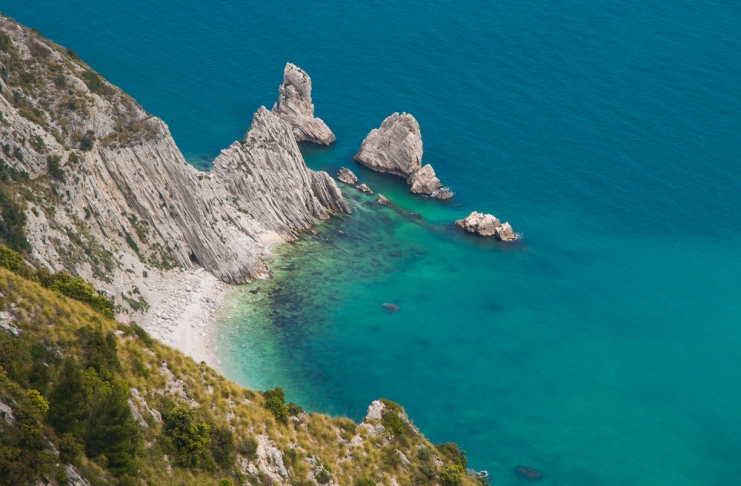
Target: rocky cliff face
294 106
396 147
98 187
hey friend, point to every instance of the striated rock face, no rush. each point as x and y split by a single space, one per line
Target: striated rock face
347 176
112 191
265 175
294 105
424 181
395 147
486 225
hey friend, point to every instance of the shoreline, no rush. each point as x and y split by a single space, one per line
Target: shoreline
186 305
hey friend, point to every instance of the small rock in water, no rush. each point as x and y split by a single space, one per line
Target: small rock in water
529 473
347 176
341 232
382 199
391 308
254 291
364 188
444 194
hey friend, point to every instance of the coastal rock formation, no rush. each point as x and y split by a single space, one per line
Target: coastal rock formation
391 308
347 176
395 147
424 181
294 105
382 199
125 196
486 225
364 188
443 194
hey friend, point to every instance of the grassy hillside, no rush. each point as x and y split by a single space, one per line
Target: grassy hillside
83 394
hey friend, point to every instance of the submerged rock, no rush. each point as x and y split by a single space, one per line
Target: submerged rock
486 225
529 473
444 194
424 181
391 308
364 188
294 105
347 176
382 199
395 147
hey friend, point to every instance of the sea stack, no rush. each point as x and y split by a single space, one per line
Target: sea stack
486 225
396 147
294 106
347 176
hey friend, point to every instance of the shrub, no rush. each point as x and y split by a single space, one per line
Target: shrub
93 81
10 259
223 447
294 409
393 423
275 403
190 437
452 452
87 141
451 475
112 431
55 170
13 225
323 477
423 454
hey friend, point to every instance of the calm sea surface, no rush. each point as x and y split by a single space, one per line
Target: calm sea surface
604 347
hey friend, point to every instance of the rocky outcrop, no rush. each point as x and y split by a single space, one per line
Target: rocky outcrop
382 199
127 198
528 473
443 194
486 225
424 181
364 188
294 106
395 147
347 176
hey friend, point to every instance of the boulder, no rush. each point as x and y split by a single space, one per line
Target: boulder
294 106
364 188
424 181
375 410
486 225
347 176
483 224
395 147
505 232
382 199
444 194
529 473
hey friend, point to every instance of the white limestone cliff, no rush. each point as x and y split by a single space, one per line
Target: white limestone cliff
294 106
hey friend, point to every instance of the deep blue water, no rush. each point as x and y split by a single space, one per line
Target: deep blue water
602 348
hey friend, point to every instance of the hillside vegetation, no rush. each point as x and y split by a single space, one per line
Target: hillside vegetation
85 399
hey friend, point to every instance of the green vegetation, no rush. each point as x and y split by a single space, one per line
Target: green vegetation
68 377
55 170
93 81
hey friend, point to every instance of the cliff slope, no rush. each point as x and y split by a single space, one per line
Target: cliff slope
93 184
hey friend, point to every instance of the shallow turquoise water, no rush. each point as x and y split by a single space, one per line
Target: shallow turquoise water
602 348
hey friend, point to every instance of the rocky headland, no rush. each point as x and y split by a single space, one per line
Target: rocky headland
396 148
486 225
98 187
295 106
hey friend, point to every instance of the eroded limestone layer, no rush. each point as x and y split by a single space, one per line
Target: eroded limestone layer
294 106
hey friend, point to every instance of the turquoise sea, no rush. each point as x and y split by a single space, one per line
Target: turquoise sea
604 347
